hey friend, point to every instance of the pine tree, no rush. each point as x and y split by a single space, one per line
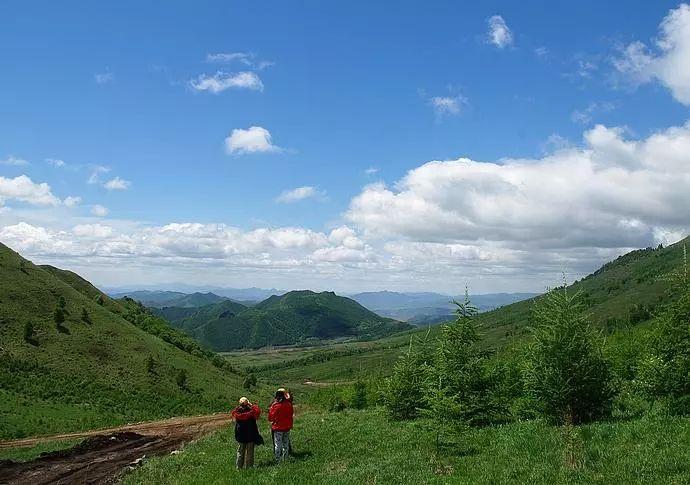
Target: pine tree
462 374
405 392
567 374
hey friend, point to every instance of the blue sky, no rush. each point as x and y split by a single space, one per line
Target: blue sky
350 94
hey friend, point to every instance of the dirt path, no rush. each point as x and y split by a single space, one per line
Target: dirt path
105 454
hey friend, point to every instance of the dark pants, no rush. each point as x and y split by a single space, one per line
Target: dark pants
245 455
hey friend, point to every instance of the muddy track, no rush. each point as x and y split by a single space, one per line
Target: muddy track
105 454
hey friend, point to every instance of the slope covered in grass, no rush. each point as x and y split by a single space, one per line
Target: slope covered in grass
104 365
364 447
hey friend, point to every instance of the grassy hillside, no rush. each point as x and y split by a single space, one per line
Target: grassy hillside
296 317
102 366
364 447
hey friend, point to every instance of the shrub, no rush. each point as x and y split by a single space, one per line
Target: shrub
249 381
30 333
181 379
666 372
567 374
150 365
85 316
59 316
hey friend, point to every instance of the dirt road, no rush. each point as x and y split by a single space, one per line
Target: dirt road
105 454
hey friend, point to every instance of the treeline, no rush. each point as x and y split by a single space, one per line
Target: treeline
565 374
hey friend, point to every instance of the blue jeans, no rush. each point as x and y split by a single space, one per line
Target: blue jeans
281 444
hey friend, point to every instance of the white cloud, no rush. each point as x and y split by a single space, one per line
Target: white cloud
541 52
96 171
575 197
56 162
499 34
104 77
246 58
117 184
14 161
584 116
23 189
447 105
371 171
99 231
222 81
255 139
299 193
99 211
668 63
71 201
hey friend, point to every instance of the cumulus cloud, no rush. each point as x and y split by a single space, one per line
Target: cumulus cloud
611 193
117 184
300 193
14 161
99 211
667 62
255 139
23 189
499 34
222 81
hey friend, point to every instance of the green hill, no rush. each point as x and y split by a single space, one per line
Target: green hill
621 294
188 319
294 317
109 362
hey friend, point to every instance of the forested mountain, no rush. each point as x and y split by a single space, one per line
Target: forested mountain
294 317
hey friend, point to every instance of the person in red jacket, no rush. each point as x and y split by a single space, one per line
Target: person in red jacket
246 432
280 415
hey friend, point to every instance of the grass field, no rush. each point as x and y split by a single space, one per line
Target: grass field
364 447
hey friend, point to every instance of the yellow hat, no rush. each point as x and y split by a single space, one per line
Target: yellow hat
281 389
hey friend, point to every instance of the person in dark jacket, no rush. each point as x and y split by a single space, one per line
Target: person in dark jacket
246 432
281 415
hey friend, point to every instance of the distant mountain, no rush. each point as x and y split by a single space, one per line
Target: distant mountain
159 299
109 362
428 308
294 317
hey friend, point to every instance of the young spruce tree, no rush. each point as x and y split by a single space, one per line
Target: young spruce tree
567 375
